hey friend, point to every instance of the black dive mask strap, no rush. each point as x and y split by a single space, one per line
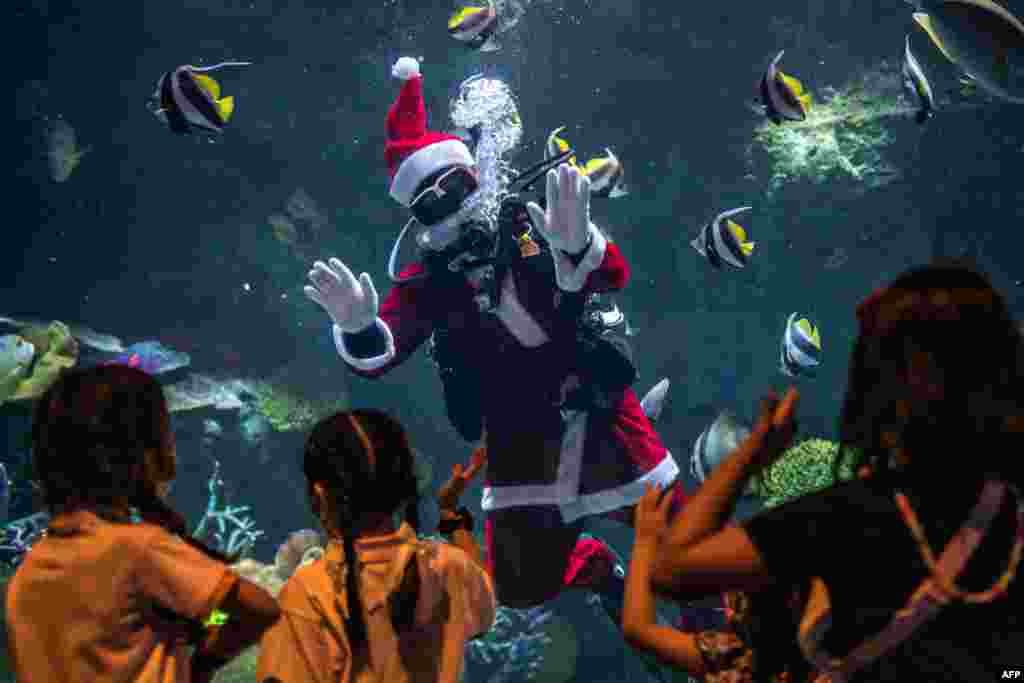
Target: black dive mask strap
535 172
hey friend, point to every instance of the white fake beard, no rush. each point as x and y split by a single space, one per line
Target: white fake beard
482 206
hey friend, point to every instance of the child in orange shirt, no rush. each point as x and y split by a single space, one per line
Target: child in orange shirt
100 598
404 611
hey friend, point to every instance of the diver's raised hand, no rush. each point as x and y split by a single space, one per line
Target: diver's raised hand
566 223
352 304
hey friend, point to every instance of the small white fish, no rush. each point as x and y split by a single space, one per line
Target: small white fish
916 83
475 27
800 352
724 241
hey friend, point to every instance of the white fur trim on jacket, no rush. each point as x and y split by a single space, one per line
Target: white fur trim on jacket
421 163
565 491
572 278
367 364
517 319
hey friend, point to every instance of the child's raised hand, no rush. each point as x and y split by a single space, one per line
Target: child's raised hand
651 517
774 430
476 461
449 494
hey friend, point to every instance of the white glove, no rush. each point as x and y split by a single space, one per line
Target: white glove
566 225
352 304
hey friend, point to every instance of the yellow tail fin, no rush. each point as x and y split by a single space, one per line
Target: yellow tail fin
226 107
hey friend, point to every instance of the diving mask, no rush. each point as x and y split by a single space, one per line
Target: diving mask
443 195
463 229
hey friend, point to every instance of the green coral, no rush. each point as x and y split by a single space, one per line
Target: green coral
288 411
56 351
805 467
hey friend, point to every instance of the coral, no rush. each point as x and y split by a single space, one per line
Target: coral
805 467
225 526
295 551
287 410
513 649
19 535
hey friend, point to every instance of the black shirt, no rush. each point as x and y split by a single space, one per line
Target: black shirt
853 536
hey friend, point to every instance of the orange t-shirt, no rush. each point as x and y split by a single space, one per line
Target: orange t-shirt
79 607
456 602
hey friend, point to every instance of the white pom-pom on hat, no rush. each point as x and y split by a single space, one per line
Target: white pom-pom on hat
406 68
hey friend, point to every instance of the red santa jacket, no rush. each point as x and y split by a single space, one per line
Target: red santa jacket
524 351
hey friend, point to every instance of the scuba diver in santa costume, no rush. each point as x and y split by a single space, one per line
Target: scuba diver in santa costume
505 300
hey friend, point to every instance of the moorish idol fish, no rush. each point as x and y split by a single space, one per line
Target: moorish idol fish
557 146
722 240
916 83
607 176
716 443
800 353
186 99
782 97
475 27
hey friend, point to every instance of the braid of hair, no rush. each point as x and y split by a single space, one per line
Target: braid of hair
356 623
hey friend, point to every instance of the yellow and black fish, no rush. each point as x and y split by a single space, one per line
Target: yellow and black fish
800 353
186 99
724 241
782 97
607 176
557 146
475 27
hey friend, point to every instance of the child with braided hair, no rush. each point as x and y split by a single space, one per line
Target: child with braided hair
401 613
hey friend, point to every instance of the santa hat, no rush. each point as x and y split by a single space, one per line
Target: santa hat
411 151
